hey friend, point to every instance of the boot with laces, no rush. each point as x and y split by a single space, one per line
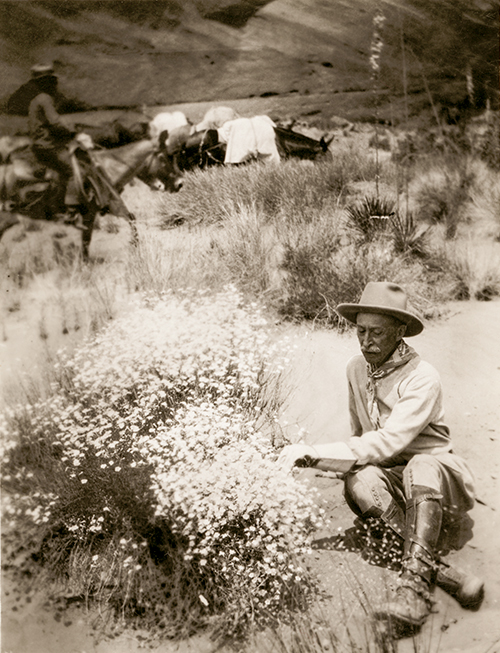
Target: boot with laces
464 587
408 612
413 602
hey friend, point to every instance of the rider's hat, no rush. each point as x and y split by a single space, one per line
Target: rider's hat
385 299
42 70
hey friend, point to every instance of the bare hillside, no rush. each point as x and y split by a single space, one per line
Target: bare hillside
164 52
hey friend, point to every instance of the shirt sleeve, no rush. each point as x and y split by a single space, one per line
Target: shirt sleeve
356 428
50 111
53 118
418 403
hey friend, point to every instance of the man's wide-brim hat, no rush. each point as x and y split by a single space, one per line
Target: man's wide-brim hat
42 70
384 298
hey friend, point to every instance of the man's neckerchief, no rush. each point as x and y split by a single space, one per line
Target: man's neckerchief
401 355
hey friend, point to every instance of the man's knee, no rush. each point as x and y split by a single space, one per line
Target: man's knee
363 491
423 471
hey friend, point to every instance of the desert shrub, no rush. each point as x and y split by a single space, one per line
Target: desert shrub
380 142
320 276
488 147
415 147
474 269
146 483
482 209
408 236
441 195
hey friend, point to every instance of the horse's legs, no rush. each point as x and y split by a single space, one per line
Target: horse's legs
89 213
134 237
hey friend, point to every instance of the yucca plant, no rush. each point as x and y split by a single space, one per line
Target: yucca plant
370 218
408 237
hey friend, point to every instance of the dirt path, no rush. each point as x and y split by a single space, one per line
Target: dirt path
465 349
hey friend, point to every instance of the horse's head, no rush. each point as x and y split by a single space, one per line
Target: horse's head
161 173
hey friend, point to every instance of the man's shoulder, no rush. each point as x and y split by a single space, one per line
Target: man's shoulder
423 368
355 365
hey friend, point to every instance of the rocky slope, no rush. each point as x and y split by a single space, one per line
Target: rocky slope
165 52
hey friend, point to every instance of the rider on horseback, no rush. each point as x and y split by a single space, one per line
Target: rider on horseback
50 138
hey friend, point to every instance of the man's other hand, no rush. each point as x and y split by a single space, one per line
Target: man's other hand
293 454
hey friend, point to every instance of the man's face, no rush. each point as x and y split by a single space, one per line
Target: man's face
378 336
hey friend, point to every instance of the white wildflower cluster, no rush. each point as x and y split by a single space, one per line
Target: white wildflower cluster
155 423
377 44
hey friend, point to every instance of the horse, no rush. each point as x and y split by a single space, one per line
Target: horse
294 144
26 188
114 133
200 149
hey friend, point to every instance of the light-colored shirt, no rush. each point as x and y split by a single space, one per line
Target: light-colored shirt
411 416
47 128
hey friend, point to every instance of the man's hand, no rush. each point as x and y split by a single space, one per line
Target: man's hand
293 454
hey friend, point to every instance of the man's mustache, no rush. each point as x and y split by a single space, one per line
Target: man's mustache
374 350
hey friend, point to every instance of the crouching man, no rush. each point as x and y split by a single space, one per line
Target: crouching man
403 472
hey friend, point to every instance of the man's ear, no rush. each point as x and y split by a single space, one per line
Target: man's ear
401 331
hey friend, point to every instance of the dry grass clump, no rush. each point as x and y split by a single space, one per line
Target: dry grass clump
171 260
318 279
33 247
483 209
474 269
303 262
144 482
441 194
293 191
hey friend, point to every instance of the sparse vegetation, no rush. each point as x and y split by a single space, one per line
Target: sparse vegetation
122 473
443 194
146 480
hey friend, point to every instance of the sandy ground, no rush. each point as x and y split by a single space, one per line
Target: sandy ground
465 348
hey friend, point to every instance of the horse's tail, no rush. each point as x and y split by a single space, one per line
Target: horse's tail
78 176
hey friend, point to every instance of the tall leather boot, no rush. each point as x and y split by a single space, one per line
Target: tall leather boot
466 588
413 603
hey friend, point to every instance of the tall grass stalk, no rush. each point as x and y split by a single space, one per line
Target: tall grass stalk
376 46
405 95
171 260
247 252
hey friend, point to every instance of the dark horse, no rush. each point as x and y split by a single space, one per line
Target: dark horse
293 144
100 177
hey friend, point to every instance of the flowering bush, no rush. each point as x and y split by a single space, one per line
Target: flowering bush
147 477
